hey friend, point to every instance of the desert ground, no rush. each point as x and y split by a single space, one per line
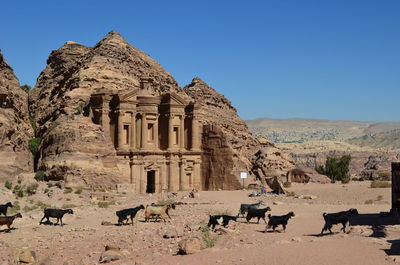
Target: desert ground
370 239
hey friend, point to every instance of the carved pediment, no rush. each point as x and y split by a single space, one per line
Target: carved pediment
173 99
129 96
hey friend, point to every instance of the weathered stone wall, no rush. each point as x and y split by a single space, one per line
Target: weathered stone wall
15 130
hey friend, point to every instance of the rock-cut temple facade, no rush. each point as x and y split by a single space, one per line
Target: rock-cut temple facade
159 136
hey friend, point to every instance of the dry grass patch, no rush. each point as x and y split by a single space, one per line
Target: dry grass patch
381 184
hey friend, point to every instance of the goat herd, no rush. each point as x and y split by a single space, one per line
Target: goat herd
155 212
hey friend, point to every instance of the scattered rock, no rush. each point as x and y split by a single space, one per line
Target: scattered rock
112 247
173 232
107 223
277 203
110 255
25 256
189 245
296 239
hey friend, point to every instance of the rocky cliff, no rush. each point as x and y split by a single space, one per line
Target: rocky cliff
73 148
77 150
218 111
15 130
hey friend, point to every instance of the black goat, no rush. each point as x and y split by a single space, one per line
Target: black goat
55 213
259 213
244 208
123 214
221 220
274 221
4 207
337 218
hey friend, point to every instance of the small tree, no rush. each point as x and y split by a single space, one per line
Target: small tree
336 168
26 88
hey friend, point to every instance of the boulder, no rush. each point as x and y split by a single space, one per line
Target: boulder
189 245
25 256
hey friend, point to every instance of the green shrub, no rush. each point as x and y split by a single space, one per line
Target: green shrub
68 206
385 176
33 123
31 189
33 145
16 208
26 88
67 190
345 179
81 107
379 198
39 176
42 205
78 191
381 184
20 194
208 239
46 190
105 204
8 185
50 185
336 168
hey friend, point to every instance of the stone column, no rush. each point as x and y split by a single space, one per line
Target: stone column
143 180
157 187
173 177
197 176
163 175
136 179
170 133
156 134
131 176
105 120
120 128
133 131
144 132
182 133
181 177
195 135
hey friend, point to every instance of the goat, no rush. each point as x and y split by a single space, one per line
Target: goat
221 220
157 211
274 221
337 218
55 213
123 214
245 207
259 213
8 220
4 207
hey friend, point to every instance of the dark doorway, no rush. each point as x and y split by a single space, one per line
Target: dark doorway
151 181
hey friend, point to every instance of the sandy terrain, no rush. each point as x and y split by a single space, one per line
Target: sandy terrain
82 239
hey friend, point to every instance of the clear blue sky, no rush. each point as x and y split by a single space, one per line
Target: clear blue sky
336 59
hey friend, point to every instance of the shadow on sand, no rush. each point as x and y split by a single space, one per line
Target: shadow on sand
7 230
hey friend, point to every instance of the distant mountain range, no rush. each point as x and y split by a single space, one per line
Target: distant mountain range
372 145
364 134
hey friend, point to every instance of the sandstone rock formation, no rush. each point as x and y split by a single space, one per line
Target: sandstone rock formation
75 149
15 130
233 132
